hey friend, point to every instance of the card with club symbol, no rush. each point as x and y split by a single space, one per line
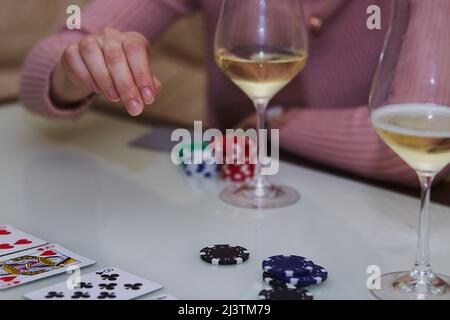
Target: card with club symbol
105 284
42 262
13 240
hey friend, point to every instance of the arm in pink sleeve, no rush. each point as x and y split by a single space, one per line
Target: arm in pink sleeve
149 17
344 139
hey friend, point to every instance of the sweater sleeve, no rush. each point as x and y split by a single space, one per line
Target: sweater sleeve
344 139
149 17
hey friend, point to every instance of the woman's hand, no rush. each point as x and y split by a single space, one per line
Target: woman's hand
114 64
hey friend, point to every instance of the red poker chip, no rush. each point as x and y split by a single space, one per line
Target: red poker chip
234 149
237 173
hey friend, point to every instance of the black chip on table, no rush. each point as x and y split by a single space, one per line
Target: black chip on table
275 283
224 254
281 293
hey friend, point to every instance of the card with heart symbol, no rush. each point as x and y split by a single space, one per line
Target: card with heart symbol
105 284
13 240
42 262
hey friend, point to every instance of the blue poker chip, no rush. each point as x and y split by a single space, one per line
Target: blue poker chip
201 170
316 276
196 163
287 266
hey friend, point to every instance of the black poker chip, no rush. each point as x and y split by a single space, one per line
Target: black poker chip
276 283
224 254
281 293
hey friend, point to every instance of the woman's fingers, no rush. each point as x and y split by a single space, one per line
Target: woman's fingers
117 64
157 84
136 50
74 66
93 58
114 64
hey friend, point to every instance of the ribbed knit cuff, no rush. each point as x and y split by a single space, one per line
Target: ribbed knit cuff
37 72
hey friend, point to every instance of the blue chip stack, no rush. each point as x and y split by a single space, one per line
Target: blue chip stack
207 169
202 170
292 272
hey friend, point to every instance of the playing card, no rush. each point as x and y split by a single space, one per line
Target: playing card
105 284
159 138
163 297
42 262
13 240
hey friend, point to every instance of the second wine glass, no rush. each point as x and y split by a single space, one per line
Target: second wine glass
410 110
261 45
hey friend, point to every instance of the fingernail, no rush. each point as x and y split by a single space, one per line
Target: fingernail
147 95
113 95
157 84
134 108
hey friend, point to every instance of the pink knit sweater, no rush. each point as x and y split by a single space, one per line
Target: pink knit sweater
329 119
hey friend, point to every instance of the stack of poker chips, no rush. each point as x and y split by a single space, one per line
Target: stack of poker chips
237 153
235 163
207 168
288 275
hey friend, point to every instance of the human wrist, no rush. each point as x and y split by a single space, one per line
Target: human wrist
64 92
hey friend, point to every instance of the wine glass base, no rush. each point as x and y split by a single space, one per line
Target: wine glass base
406 286
245 196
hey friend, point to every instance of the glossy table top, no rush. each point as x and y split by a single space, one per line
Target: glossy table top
80 185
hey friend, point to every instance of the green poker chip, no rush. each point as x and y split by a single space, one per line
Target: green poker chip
189 150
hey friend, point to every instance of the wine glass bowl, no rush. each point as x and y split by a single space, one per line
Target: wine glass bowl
261 45
410 111
260 72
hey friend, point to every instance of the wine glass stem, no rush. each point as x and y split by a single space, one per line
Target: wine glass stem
422 266
259 180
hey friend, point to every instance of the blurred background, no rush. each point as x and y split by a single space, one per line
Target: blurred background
177 56
177 59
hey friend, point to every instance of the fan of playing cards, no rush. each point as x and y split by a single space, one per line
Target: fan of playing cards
25 258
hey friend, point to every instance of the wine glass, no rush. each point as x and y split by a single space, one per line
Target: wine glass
410 110
261 45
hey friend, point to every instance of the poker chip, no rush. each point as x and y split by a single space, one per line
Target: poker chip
201 170
189 150
207 168
316 276
224 254
281 293
237 173
235 149
237 153
287 266
275 283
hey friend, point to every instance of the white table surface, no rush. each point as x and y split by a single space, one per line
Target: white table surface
80 185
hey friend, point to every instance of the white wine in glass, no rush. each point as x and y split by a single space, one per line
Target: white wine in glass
261 45
260 72
410 111
419 133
